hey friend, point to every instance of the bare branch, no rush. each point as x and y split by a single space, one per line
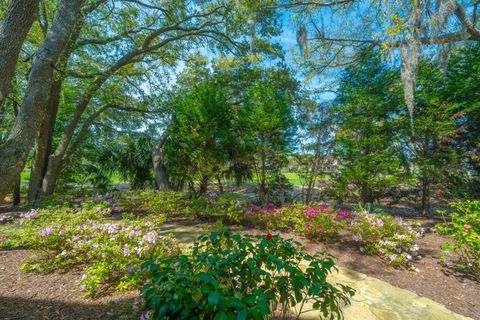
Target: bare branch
312 3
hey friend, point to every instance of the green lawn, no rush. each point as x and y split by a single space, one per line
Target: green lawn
294 178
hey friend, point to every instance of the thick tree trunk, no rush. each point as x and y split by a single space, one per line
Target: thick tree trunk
14 28
18 182
43 143
159 168
16 191
16 148
52 173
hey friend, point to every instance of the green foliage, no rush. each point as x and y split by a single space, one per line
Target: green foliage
364 115
464 229
199 136
229 276
82 237
229 122
390 238
378 234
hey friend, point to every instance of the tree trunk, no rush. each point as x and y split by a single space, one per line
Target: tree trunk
52 173
364 195
219 182
159 168
16 191
18 182
43 143
16 148
425 211
14 28
204 185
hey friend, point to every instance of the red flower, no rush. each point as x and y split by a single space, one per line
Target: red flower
269 236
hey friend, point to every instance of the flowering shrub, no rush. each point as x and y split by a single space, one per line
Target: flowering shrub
464 230
314 221
229 276
108 252
388 237
319 222
228 206
269 217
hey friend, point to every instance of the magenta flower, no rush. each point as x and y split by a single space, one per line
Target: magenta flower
324 207
307 225
343 214
466 227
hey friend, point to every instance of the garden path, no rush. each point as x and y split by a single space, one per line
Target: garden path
374 299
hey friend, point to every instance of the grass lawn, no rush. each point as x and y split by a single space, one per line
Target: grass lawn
294 178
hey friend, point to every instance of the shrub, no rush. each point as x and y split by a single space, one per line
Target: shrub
108 252
319 221
315 221
229 276
154 203
464 230
226 206
390 238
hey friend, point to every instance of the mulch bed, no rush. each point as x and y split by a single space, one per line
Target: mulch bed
57 296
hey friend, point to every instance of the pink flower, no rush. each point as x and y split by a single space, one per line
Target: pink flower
307 225
47 231
466 227
324 207
343 214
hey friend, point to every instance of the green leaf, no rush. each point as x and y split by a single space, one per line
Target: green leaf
221 316
213 298
242 315
197 296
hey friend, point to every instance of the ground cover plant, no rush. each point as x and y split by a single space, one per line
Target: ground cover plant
107 251
228 276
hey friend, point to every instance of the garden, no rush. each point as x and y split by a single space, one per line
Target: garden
238 159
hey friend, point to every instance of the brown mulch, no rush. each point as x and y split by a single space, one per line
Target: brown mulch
57 296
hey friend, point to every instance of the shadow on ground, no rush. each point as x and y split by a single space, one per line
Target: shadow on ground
13 308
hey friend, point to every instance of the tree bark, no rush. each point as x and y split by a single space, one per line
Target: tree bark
425 211
16 148
219 183
161 177
203 185
43 143
14 28
18 182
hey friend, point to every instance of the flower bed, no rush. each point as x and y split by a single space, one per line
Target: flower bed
108 253
390 238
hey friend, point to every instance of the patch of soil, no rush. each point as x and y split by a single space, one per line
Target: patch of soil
37 296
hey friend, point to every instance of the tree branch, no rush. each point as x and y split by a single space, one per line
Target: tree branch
312 3
469 25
